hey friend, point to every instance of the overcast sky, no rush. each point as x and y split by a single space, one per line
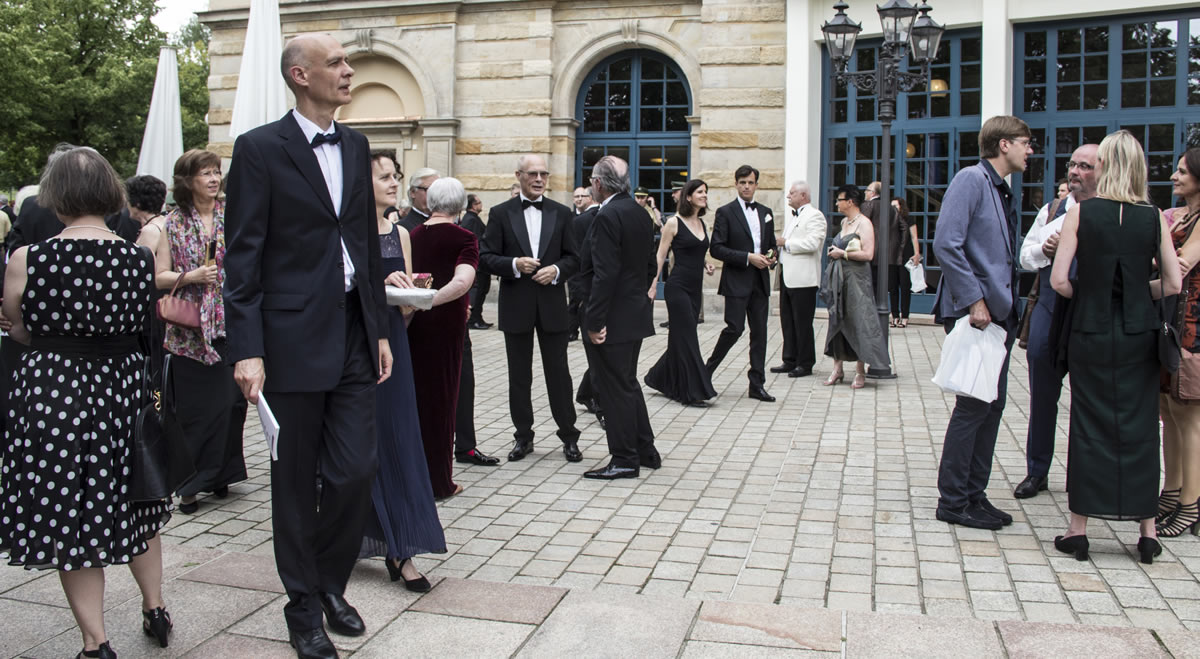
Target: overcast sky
176 13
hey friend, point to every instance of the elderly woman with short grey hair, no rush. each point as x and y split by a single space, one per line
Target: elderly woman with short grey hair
450 254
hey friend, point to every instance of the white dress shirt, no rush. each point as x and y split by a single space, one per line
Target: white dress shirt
1032 256
329 157
533 226
752 221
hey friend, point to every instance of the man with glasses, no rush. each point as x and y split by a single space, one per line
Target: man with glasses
1045 383
975 245
417 186
582 200
529 244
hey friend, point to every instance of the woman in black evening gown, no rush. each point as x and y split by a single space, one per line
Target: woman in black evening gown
680 373
405 520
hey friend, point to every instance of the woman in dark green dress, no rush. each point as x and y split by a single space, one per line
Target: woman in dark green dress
1112 459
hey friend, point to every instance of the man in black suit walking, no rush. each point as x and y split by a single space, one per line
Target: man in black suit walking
743 238
579 226
483 280
304 309
529 245
619 316
580 289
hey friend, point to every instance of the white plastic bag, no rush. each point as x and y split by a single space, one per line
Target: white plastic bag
916 276
971 361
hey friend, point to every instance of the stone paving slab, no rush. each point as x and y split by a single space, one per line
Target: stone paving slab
613 625
491 601
1024 640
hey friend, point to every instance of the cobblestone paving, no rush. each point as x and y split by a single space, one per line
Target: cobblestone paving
822 500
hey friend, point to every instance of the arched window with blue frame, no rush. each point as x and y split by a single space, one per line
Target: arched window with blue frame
635 105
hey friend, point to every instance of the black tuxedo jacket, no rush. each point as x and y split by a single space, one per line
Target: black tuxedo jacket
471 222
35 224
732 244
622 267
579 226
525 303
411 220
284 289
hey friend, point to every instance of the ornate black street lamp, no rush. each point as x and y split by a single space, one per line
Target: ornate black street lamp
902 31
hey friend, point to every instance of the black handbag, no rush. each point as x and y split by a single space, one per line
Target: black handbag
1169 345
159 460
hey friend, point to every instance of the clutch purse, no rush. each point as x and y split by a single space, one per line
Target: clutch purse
178 311
421 298
854 245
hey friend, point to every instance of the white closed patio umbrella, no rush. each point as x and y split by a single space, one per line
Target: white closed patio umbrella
261 95
162 143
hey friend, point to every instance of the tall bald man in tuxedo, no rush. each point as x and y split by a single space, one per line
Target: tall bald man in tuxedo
529 244
304 312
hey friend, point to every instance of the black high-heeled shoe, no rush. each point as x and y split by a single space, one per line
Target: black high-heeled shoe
1186 517
1076 544
418 585
1148 548
1168 505
105 651
157 623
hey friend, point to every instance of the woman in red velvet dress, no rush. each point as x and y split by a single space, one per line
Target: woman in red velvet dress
435 338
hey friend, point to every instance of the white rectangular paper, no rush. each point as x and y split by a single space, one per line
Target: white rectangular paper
421 298
269 425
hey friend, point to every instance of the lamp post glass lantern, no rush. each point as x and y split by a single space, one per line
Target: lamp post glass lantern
902 31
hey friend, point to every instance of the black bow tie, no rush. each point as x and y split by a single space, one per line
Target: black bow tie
751 205
322 138
525 203
795 212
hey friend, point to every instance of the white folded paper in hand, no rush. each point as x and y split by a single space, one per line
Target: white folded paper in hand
421 298
971 360
269 425
916 276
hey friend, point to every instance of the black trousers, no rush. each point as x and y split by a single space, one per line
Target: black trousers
737 311
573 306
553 345
970 442
899 290
797 306
328 435
477 294
627 422
464 411
587 388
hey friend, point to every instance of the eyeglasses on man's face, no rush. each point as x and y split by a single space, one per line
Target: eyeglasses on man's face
1081 166
841 199
537 174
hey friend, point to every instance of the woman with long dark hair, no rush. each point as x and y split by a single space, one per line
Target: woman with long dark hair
680 373
208 403
903 247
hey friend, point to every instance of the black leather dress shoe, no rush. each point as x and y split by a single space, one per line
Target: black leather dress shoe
651 460
479 325
985 507
799 372
611 472
340 616
968 517
759 393
783 368
1030 487
573 336
477 458
312 644
520 449
571 451
590 405
601 419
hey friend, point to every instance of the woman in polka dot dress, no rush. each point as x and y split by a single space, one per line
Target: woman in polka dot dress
79 300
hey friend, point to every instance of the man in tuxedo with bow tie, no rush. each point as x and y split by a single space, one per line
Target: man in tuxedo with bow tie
305 314
743 235
529 244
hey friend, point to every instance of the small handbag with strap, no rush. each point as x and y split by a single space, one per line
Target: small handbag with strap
1169 345
1031 300
178 311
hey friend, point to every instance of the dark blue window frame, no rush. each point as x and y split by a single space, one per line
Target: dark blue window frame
652 154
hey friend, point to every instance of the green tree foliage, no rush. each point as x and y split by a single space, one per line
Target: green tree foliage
192 42
78 71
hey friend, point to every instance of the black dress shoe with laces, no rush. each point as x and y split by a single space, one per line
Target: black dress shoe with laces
758 393
340 616
474 457
800 371
312 644
571 451
520 449
985 507
968 517
479 325
611 472
782 368
1030 487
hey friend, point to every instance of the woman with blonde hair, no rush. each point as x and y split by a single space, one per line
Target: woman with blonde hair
1112 459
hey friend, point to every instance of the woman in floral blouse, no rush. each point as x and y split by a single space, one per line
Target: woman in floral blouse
209 405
